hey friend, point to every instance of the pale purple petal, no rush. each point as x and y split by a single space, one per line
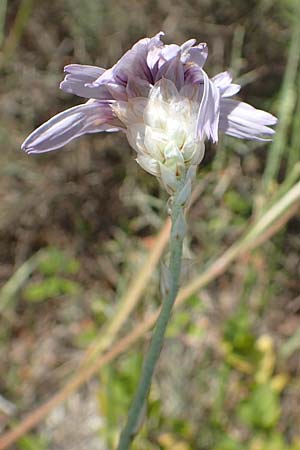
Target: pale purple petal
223 79
137 88
173 70
133 63
169 52
117 91
193 74
107 77
70 124
156 41
197 55
209 110
241 120
224 82
187 45
231 90
86 73
74 85
79 81
152 59
154 49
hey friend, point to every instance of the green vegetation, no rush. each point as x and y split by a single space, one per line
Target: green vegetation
76 226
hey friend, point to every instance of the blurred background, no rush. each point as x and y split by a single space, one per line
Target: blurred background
76 226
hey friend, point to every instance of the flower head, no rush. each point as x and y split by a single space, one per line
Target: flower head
161 97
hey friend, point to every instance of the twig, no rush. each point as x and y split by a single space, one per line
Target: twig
10 289
273 229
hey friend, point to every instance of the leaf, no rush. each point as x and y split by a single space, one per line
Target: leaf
227 443
50 288
262 408
237 203
238 333
55 261
32 442
271 442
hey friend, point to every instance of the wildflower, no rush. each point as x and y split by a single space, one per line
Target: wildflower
160 96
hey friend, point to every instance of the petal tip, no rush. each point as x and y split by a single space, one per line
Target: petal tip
29 151
65 86
26 149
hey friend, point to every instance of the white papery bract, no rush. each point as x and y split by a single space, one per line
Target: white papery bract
163 131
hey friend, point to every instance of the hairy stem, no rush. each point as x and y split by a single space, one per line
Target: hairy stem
137 407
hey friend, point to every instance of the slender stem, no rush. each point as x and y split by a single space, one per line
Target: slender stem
137 407
287 102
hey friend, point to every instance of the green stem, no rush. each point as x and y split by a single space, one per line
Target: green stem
137 407
287 102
